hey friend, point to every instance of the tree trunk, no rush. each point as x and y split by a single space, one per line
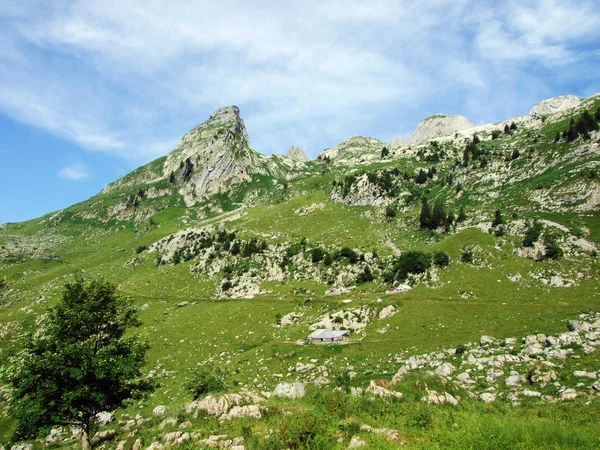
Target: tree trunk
86 443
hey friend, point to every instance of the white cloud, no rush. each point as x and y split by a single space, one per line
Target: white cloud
76 172
126 77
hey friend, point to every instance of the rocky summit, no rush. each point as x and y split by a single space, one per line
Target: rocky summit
433 127
436 291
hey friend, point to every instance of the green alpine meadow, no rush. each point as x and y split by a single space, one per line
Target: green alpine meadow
440 291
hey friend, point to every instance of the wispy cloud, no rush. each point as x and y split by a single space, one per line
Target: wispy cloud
76 172
126 77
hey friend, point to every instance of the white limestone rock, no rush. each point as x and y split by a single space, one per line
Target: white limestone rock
386 312
433 127
297 154
289 390
488 397
159 410
251 411
554 105
445 369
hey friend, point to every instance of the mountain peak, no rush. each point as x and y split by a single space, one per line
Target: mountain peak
297 154
226 114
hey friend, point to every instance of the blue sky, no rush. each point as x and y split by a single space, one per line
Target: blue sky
91 89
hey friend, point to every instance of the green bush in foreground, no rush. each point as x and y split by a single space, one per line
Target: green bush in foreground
205 381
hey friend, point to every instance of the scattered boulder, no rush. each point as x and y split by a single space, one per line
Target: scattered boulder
159 410
104 436
514 380
568 394
252 411
433 398
104 418
337 291
356 442
488 397
289 390
215 406
386 312
583 374
487 340
445 369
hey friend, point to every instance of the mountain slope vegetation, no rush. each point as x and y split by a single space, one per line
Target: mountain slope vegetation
419 248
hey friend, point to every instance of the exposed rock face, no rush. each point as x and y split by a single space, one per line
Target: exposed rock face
355 150
288 390
361 193
554 104
435 126
297 154
213 156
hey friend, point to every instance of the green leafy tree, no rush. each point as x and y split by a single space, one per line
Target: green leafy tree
411 262
384 152
79 363
462 215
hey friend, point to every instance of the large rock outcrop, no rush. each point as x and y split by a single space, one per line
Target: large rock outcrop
213 156
554 105
352 151
433 127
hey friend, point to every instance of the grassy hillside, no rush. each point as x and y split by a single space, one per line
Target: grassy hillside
191 320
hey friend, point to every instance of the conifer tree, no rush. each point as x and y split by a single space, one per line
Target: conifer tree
425 216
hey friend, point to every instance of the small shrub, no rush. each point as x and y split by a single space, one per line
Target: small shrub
365 276
413 262
141 248
317 255
205 380
532 234
552 248
347 252
441 258
468 255
391 211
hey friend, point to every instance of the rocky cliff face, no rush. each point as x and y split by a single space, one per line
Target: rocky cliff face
213 156
554 105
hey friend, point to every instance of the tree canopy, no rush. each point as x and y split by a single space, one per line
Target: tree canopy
79 363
